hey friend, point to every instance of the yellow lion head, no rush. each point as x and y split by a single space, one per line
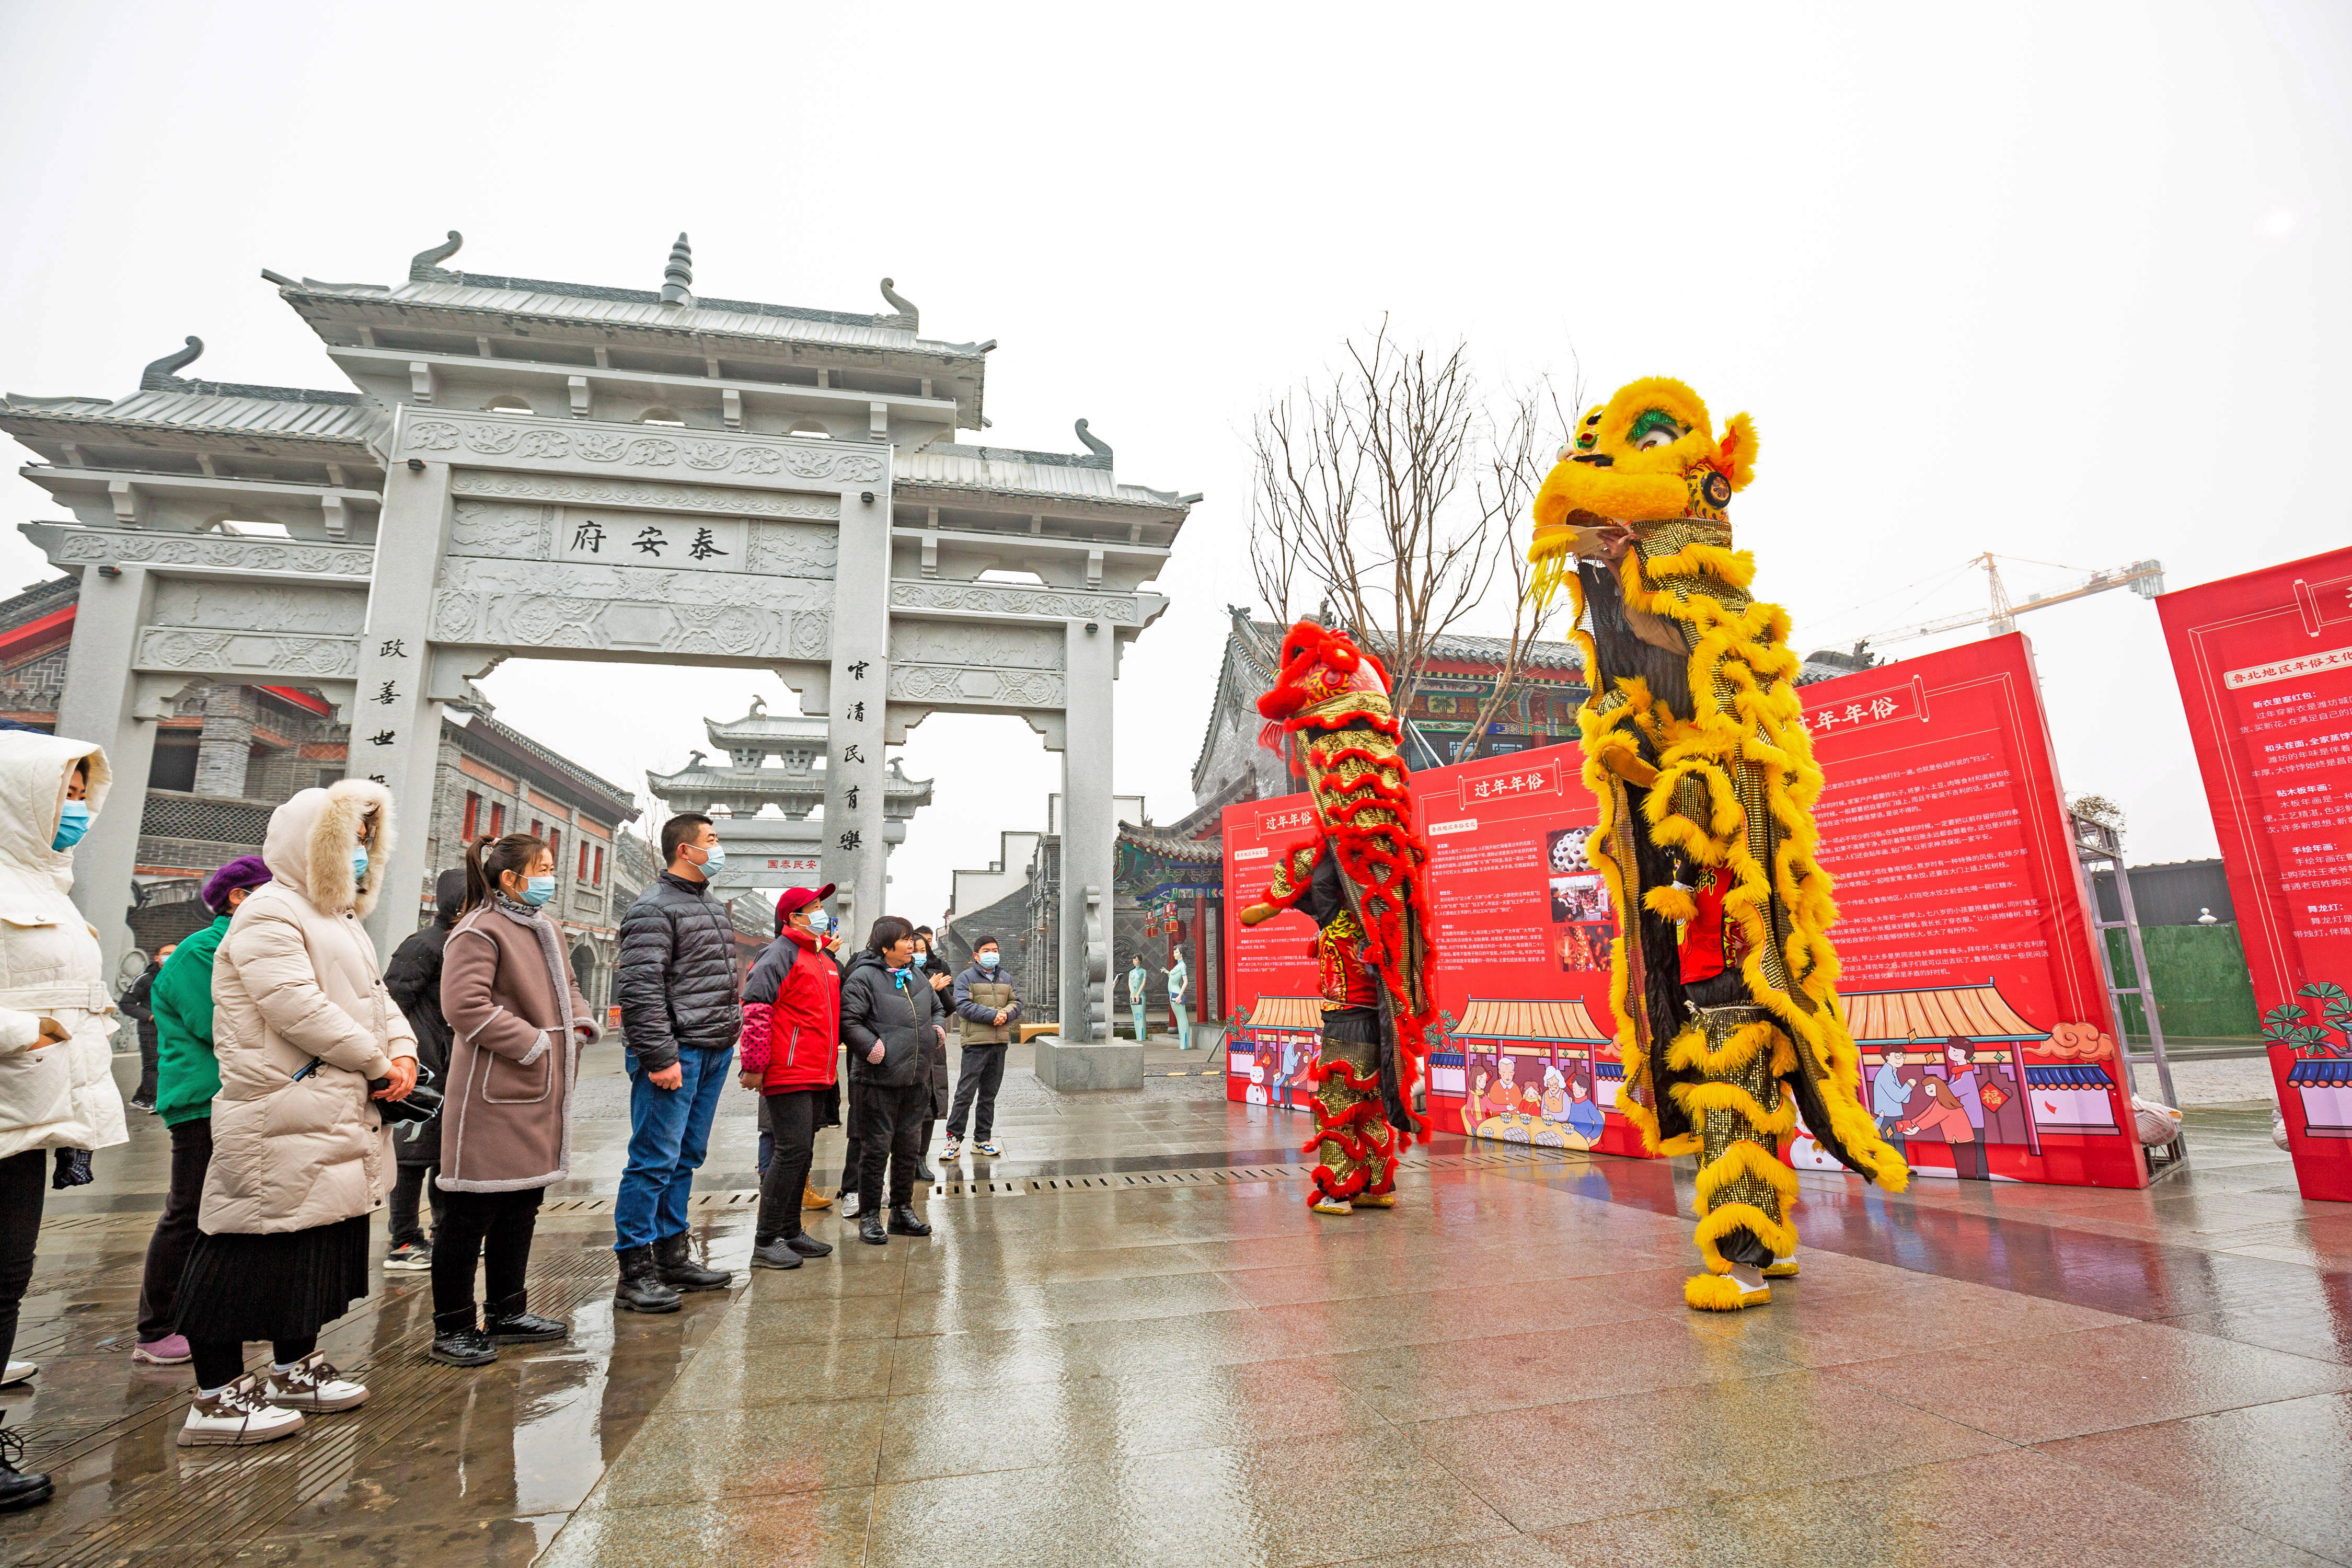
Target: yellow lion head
1648 454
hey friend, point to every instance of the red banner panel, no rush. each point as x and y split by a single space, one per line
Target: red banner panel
2264 663
1970 980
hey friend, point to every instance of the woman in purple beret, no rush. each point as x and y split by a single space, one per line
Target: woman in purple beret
187 1076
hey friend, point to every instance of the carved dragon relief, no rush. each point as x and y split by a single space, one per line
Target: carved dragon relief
1119 609
652 493
84 546
709 455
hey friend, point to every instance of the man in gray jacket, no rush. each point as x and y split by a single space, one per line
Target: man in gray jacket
680 1019
991 1012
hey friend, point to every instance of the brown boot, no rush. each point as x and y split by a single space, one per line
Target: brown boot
813 1199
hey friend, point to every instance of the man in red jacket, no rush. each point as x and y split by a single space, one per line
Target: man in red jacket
792 1029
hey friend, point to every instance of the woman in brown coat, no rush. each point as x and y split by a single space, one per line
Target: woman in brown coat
516 1022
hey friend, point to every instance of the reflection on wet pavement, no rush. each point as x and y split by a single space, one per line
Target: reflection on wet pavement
1156 1359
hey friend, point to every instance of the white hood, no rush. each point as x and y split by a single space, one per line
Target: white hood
312 836
33 771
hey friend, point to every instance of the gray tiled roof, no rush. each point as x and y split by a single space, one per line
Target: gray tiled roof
214 406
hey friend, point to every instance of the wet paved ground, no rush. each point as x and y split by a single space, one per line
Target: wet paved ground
1133 1344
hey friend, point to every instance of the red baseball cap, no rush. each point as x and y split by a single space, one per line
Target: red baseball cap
794 900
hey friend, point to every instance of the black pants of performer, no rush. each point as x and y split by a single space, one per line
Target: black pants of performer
975 1097
218 1362
23 1187
793 1117
494 1230
893 1133
406 1186
175 1233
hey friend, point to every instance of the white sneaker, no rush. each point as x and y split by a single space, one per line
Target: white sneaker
313 1384
952 1152
18 1372
237 1416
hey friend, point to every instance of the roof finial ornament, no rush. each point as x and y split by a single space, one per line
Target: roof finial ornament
759 708
165 371
695 759
426 265
901 304
1095 444
677 277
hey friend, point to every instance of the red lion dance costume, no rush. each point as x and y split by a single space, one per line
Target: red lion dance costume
1362 880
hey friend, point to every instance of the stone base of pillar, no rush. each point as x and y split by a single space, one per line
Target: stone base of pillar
1068 1068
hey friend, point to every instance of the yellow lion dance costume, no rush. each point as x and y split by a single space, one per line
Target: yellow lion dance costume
1695 743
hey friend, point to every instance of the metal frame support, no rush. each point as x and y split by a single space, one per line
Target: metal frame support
2096 843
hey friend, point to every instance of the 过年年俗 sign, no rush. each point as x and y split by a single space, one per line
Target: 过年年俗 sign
2264 662
1966 954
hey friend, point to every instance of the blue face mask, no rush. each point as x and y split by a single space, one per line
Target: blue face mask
358 862
715 860
73 823
819 923
537 890
985 959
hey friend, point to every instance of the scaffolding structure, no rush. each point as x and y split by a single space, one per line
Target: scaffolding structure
2098 847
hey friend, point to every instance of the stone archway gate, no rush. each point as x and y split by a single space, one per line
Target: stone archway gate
527 510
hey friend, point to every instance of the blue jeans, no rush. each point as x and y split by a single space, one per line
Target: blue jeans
670 1133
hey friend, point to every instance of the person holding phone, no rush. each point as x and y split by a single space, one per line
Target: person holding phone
57 1068
309 1043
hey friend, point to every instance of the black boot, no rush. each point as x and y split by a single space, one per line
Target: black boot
870 1228
641 1289
808 1245
20 1488
776 1254
903 1221
508 1324
457 1342
679 1271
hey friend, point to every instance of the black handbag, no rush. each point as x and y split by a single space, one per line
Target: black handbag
422 1104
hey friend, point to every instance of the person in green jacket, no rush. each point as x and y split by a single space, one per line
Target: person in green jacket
187 1076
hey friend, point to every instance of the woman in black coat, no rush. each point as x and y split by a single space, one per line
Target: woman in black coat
414 978
938 976
889 1024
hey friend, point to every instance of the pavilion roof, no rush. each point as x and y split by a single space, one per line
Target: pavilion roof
1488 1019
759 725
199 405
1949 1012
1286 1013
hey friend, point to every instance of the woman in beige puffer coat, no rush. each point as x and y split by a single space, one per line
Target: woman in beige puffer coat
57 1068
306 1038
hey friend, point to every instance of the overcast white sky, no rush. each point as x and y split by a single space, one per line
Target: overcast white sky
2047 280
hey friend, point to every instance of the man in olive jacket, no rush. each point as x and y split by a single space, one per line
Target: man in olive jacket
991 1012
677 984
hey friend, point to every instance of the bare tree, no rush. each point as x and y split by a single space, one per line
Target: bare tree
1393 494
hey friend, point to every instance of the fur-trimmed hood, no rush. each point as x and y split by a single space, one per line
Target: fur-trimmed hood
312 837
35 770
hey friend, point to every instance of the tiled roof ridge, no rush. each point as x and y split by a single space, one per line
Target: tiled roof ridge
251 389
626 799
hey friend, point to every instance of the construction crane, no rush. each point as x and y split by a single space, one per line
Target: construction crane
2145 578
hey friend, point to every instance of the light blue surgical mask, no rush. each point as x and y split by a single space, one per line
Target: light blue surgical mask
73 823
985 959
715 860
819 923
537 890
359 861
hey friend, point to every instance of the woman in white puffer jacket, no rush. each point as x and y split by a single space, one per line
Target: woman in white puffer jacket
56 1064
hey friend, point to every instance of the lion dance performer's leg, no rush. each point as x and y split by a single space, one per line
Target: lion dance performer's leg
1744 1191
1353 1141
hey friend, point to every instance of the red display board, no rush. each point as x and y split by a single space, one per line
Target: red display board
1970 982
2264 663
1963 935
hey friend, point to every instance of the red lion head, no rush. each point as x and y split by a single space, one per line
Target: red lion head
1324 680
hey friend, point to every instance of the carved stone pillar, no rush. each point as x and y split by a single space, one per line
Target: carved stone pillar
101 703
395 721
1087 829
854 853
225 744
